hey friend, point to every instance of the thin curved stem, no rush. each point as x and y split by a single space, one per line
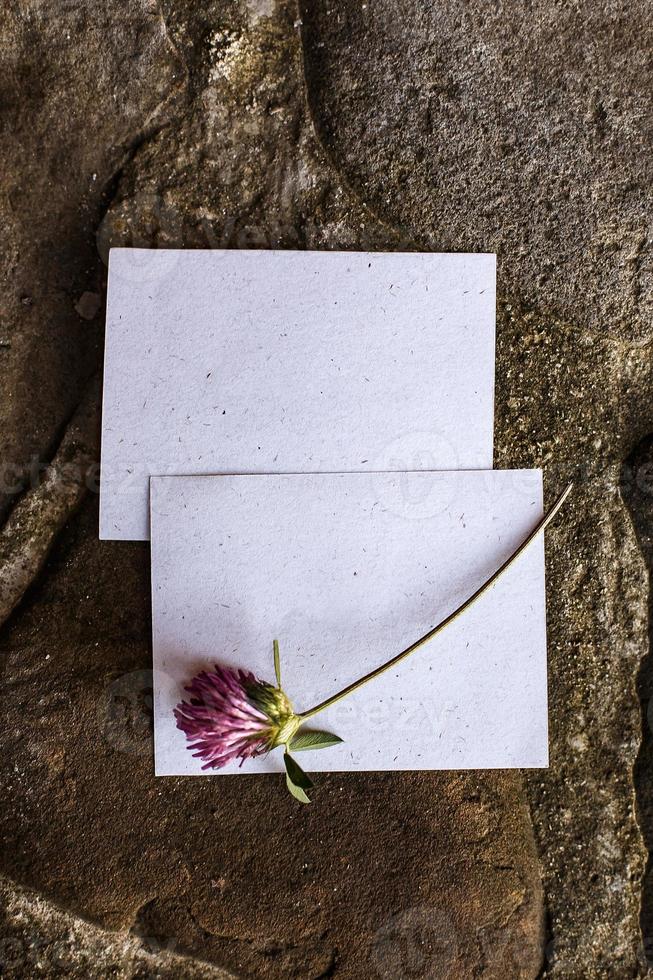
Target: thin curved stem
538 529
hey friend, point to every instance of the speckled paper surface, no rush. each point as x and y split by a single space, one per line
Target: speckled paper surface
277 361
346 570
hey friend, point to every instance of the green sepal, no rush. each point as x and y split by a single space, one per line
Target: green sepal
313 740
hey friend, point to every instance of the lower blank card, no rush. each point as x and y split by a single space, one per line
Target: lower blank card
346 570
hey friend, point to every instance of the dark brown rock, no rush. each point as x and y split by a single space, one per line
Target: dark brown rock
54 494
82 83
520 129
571 401
41 940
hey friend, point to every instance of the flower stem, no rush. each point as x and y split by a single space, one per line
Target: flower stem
538 529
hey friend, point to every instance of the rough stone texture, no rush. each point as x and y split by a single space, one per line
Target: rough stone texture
241 166
637 486
40 940
378 125
517 128
53 496
81 85
571 401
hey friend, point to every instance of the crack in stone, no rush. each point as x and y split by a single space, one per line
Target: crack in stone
44 509
637 492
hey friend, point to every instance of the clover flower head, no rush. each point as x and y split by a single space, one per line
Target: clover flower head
231 715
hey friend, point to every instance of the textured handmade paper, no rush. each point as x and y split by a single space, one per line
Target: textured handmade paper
345 571
277 361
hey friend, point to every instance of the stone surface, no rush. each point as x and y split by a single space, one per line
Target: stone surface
521 129
572 401
54 494
40 940
637 488
378 125
82 84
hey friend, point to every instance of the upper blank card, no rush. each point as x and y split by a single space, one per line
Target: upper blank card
229 361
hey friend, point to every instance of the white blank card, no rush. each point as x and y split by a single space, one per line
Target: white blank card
345 571
288 362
